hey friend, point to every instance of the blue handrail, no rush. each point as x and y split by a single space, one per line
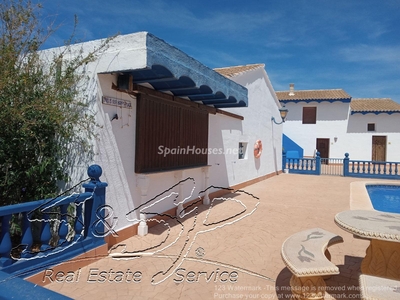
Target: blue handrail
302 165
352 168
370 169
49 224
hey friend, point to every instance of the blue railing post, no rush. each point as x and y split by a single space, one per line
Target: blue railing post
89 228
5 241
283 160
93 209
346 165
27 237
318 163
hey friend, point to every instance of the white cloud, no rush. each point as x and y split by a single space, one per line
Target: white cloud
368 53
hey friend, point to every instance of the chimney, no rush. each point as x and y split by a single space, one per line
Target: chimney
291 89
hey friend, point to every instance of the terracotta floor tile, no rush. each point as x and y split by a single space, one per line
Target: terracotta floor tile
235 259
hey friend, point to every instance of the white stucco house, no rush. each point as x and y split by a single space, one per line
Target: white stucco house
167 121
334 123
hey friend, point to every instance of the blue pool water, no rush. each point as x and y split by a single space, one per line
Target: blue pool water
385 197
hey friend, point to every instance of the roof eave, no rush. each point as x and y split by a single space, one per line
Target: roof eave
167 69
344 100
364 112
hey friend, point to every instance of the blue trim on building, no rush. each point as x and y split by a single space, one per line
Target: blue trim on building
344 100
289 146
168 69
375 112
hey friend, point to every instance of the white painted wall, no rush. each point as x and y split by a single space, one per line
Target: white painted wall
331 123
116 155
334 120
385 125
225 169
111 146
115 142
257 124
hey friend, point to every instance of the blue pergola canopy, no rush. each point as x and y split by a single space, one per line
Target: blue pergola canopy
168 69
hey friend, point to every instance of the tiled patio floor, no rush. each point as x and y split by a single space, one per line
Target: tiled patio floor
238 258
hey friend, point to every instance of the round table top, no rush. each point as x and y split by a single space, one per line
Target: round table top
370 224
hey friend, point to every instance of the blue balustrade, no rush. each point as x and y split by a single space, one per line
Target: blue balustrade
302 165
353 168
370 169
59 235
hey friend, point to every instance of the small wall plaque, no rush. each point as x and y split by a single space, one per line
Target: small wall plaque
117 102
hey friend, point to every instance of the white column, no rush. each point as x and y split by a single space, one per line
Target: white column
142 183
206 199
179 210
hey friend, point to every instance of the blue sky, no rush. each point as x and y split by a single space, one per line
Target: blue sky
316 44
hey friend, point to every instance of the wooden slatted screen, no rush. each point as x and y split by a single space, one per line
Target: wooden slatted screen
162 125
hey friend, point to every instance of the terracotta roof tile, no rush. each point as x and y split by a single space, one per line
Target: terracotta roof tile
233 71
299 95
374 105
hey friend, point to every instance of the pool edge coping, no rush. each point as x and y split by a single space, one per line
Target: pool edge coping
359 198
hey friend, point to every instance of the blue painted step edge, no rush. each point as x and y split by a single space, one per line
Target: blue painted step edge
16 288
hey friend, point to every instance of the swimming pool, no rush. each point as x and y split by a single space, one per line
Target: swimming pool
385 197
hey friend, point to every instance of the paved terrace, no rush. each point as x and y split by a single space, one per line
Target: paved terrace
238 261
